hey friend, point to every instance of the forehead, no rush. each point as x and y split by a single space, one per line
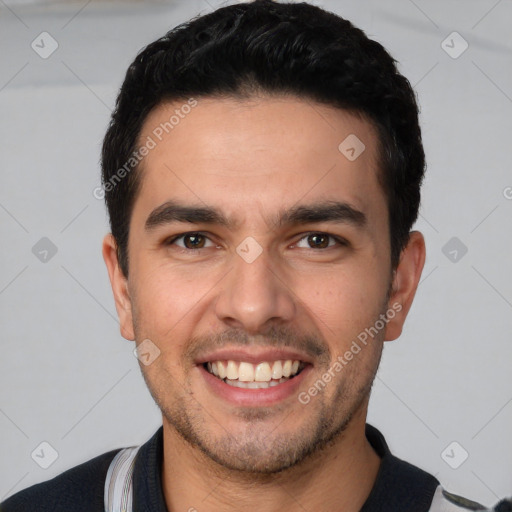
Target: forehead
258 155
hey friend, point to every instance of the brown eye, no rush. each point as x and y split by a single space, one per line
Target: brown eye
194 241
191 241
318 241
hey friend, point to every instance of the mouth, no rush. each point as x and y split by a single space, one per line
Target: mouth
263 375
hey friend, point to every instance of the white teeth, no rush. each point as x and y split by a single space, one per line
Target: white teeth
246 372
262 372
254 385
277 370
268 373
287 368
232 370
221 368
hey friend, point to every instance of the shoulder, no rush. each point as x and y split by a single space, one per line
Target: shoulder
445 501
399 486
79 489
403 487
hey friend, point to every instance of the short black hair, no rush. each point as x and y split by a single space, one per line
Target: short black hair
277 48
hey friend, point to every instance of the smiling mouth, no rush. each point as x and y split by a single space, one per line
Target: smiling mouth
246 375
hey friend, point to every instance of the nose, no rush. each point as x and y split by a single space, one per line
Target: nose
255 295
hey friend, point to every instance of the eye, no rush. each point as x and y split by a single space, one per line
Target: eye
191 241
319 241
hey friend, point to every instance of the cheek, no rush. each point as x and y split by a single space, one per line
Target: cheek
344 303
167 298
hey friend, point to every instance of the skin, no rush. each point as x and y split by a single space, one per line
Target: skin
252 159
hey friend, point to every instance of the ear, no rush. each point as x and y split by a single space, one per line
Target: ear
119 285
405 283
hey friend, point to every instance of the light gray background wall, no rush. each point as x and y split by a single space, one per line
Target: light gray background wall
67 376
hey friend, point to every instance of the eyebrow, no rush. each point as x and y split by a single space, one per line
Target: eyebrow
172 211
325 211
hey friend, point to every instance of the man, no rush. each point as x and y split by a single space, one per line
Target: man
262 173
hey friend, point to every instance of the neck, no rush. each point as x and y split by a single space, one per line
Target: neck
339 477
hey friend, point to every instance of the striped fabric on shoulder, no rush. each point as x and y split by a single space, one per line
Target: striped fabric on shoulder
445 501
118 483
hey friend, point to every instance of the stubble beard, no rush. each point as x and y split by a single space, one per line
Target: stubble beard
254 450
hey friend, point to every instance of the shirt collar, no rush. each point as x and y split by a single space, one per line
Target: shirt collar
399 486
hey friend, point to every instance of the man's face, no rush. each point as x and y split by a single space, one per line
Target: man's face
287 258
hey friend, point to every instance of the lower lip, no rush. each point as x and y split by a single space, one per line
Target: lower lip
255 397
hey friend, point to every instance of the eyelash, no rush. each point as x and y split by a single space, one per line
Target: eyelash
171 241
340 241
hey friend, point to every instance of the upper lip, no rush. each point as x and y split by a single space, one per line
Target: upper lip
253 355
